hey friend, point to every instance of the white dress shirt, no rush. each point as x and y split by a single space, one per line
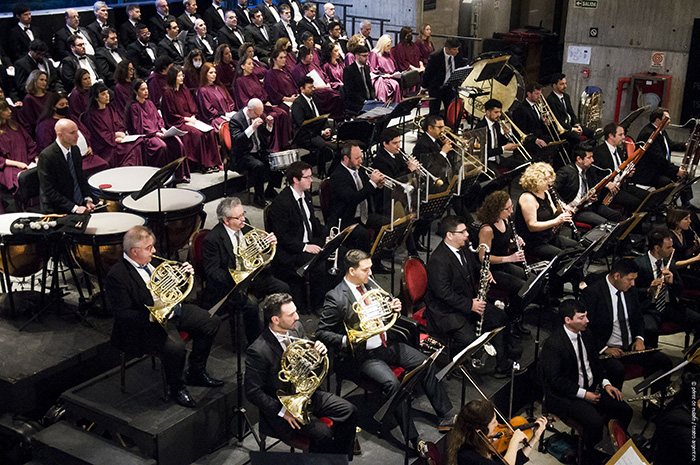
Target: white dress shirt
573 337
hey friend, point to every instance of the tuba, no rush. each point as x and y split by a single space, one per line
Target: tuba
169 285
254 252
303 367
375 314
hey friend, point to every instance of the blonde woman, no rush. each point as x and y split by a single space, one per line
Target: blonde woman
383 71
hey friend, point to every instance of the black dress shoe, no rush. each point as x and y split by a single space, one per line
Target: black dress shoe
183 397
513 330
270 193
259 202
379 268
202 379
505 371
520 327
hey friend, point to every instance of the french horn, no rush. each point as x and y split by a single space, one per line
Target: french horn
169 285
254 251
375 314
304 368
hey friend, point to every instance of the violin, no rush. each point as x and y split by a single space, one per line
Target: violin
504 433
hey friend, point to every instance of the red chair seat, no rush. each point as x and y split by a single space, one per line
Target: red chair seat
420 317
633 371
670 327
584 226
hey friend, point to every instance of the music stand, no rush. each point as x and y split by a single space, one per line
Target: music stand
405 394
458 76
592 247
434 207
360 130
390 237
326 251
655 198
673 196
401 111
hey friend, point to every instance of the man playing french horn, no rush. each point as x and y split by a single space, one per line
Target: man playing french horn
264 388
135 332
373 356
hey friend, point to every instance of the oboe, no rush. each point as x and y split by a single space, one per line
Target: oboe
518 247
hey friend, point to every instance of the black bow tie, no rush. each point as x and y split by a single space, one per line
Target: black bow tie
82 58
27 28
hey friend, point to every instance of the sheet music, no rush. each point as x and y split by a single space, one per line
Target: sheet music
173 131
628 455
228 115
202 126
130 138
318 81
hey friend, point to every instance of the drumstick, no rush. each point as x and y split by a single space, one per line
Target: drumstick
100 205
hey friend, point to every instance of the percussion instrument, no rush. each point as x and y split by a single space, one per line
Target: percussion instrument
23 253
173 219
115 183
280 161
508 86
100 247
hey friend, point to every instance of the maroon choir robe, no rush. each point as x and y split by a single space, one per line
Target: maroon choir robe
290 63
259 69
248 87
46 135
226 74
143 118
424 50
78 102
213 103
278 84
334 73
387 89
200 147
349 58
17 145
327 98
405 56
32 107
122 97
156 87
192 81
103 124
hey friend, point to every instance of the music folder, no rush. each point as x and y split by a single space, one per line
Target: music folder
312 126
467 352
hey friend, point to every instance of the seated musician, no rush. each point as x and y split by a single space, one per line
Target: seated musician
262 368
609 156
435 152
528 118
573 376
220 253
452 304
135 331
617 324
574 181
391 163
537 213
497 142
560 103
352 191
506 261
662 305
472 440
686 245
374 357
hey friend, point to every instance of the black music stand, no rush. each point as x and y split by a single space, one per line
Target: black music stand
435 207
655 198
326 251
616 234
458 76
311 128
360 130
390 237
404 395
401 111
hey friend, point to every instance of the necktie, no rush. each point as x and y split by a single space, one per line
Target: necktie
584 183
146 269
668 149
582 362
77 195
450 66
363 205
567 119
622 321
313 107
361 290
307 226
660 303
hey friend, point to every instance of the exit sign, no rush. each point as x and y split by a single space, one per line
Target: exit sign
586 4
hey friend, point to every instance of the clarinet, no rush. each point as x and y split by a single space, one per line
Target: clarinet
560 204
516 238
484 284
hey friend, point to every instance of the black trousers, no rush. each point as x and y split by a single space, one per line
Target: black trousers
551 249
360 237
259 171
652 361
202 329
686 318
444 95
376 365
323 150
339 439
598 214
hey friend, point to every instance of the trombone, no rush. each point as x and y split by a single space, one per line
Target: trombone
508 127
422 170
463 146
554 128
389 182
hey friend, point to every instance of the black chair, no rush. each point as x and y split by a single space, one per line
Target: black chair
27 194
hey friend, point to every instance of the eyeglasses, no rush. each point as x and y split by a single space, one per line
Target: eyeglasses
239 218
148 248
307 177
463 231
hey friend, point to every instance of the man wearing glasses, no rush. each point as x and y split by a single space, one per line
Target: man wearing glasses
452 307
135 331
220 248
357 82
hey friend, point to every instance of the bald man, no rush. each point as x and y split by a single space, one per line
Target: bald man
63 186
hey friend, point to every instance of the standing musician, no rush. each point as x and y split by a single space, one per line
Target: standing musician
262 368
357 83
609 156
573 182
452 306
220 254
472 439
435 151
537 213
661 304
575 384
560 103
441 65
507 258
136 333
373 357
497 142
617 324
352 192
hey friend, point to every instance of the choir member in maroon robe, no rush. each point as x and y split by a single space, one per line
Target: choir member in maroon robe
406 54
248 86
225 67
248 50
354 42
307 40
35 100
57 107
283 44
142 117
334 67
156 81
192 67
107 131
278 83
328 100
213 100
17 149
123 75
80 95
425 44
178 110
382 69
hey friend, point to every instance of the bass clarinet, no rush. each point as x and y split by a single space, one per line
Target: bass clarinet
484 284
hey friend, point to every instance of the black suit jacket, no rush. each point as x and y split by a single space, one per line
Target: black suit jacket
139 57
268 17
241 144
308 26
24 67
435 70
95 33
127 34
301 111
345 197
213 19
243 20
450 289
428 153
560 368
156 26
19 42
55 181
196 42
60 42
278 30
167 47
598 301
185 24
561 110
106 64
69 66
286 222
529 122
226 36
218 256
568 182
494 147
603 158
392 166
654 162
355 91
263 46
646 276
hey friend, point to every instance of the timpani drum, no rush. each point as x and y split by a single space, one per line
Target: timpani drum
100 246
508 86
115 183
173 222
23 253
